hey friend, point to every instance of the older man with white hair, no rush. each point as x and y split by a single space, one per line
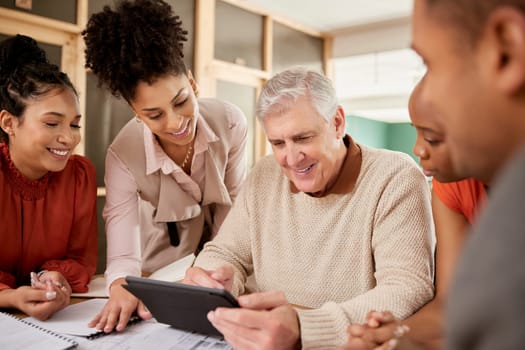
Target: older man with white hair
324 223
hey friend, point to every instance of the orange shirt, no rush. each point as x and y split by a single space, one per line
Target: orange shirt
49 224
464 197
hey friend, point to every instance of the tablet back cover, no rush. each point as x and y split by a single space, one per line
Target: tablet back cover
179 305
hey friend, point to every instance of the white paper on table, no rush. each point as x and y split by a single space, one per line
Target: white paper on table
175 271
153 335
96 289
74 319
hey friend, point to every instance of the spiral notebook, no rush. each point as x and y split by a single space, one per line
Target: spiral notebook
74 319
18 334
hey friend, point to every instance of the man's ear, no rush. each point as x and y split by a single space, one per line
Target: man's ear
7 122
339 121
506 28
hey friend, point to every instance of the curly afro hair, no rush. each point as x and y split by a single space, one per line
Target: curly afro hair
139 41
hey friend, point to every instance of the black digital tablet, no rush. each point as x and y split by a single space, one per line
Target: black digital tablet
180 305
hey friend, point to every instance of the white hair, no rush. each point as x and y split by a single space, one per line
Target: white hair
281 91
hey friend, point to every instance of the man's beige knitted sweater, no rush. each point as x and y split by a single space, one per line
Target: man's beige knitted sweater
341 255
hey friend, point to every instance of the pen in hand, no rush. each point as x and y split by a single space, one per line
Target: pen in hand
36 283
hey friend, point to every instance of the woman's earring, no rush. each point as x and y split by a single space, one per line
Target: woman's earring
137 119
195 87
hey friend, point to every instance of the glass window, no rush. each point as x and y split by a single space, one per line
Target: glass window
106 115
65 11
238 36
95 6
295 48
385 81
244 97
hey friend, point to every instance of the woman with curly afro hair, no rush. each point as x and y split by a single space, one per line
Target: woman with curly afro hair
173 171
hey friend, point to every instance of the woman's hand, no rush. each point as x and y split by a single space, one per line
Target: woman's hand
37 302
55 278
382 331
119 308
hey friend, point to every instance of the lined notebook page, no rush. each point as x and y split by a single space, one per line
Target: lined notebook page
17 334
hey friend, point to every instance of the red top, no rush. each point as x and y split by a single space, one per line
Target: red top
464 197
49 224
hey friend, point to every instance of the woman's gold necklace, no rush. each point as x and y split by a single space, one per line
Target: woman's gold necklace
187 157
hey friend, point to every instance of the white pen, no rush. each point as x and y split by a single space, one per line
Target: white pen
50 294
35 281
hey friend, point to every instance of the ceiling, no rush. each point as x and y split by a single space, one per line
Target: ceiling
375 85
332 15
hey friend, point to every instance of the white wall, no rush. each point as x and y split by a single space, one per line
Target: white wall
375 37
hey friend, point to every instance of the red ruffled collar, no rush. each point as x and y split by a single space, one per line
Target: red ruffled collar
27 189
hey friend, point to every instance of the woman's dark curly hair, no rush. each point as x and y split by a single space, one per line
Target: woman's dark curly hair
25 72
140 41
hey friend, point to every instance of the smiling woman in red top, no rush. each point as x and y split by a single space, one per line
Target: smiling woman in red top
48 195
